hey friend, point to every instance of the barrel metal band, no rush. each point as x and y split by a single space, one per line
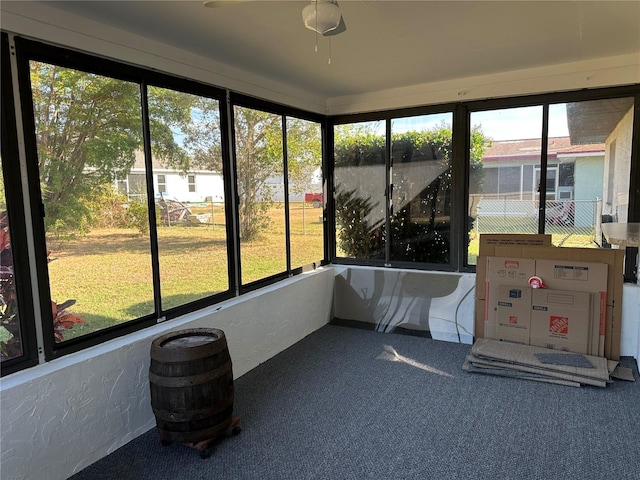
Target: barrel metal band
189 381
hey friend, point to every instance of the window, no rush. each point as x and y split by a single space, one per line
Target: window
98 276
192 233
304 174
421 187
596 165
17 335
360 190
505 149
11 331
260 179
156 205
162 184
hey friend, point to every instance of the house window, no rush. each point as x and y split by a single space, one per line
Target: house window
551 183
162 184
191 179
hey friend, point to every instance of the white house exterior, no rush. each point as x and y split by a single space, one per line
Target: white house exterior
196 186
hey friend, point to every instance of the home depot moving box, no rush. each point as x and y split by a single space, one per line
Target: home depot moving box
575 276
488 244
561 320
504 273
514 314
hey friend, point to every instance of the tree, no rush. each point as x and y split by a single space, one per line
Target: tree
88 129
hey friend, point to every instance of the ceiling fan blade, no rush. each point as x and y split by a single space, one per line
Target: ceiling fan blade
222 3
339 29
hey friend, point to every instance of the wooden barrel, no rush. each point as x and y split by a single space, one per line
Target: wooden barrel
191 383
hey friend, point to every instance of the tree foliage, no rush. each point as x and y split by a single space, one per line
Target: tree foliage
420 222
89 129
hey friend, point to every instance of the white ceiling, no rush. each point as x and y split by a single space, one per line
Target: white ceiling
387 44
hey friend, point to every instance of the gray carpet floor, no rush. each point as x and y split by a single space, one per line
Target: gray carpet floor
345 404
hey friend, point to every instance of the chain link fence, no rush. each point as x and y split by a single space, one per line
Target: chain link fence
571 222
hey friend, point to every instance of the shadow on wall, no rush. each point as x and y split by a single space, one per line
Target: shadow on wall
439 305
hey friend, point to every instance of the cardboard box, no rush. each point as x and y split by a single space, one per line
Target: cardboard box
581 277
489 241
501 271
514 314
612 257
478 327
488 244
560 320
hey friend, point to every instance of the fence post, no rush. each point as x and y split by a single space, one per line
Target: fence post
597 221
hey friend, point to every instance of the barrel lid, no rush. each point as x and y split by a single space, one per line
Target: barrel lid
188 341
189 344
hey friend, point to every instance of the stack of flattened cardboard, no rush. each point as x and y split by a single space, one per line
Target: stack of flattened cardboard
528 362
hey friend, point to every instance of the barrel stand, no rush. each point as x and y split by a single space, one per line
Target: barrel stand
207 447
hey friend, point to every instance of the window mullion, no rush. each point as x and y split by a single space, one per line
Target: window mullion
153 230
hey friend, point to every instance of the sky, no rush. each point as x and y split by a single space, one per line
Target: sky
507 124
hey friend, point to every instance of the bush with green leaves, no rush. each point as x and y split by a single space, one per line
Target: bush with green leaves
420 223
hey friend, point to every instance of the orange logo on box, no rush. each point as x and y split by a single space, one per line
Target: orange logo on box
513 319
559 325
512 264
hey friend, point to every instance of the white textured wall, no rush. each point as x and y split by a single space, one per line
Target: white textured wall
60 417
441 303
630 342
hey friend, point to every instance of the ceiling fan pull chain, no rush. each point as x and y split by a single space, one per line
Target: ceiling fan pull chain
316 7
329 50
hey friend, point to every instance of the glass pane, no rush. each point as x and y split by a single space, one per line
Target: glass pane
420 221
360 181
504 173
260 171
89 129
10 333
304 170
594 167
192 238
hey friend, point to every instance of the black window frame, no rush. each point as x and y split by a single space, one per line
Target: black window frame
29 50
284 111
461 129
11 171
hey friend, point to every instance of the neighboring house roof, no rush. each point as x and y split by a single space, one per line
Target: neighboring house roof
529 149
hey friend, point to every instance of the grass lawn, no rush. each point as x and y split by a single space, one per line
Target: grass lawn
560 237
108 272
